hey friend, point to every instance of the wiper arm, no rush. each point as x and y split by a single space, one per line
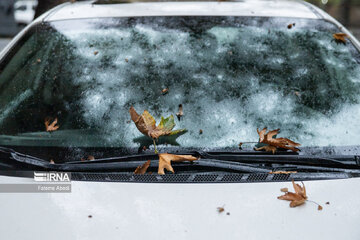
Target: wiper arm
215 160
24 158
340 161
127 163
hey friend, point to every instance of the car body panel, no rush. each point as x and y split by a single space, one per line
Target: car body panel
239 8
181 211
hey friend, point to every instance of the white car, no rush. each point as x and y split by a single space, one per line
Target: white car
225 69
24 11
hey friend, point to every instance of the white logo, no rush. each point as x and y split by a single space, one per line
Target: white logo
52 177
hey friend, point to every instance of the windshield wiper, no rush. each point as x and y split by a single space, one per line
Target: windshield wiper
225 161
128 163
322 161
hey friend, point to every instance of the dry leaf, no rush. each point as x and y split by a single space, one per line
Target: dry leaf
320 207
165 91
200 131
146 124
282 172
96 52
166 158
50 127
89 158
274 143
298 198
291 25
180 113
266 148
143 168
340 37
220 209
284 189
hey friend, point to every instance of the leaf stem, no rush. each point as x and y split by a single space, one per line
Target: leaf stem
315 203
156 151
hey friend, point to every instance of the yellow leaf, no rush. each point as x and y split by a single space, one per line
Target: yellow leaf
166 158
143 168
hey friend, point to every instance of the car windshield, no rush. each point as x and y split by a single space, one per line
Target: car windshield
231 75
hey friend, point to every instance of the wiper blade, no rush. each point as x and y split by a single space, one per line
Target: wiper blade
24 158
127 163
339 161
227 161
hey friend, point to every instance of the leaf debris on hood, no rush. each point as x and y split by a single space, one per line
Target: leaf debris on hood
274 143
298 198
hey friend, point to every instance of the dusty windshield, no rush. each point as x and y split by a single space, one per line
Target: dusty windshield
230 74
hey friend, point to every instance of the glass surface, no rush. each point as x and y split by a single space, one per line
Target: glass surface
231 75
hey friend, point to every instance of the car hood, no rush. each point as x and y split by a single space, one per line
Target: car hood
99 210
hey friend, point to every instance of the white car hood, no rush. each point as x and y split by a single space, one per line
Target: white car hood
181 211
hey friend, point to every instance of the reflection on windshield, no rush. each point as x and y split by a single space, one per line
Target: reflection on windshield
231 75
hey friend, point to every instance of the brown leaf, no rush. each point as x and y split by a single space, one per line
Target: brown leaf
291 25
284 189
298 198
340 37
266 148
50 127
96 52
180 113
146 124
166 158
267 138
165 91
220 209
282 172
143 168
89 158
320 207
